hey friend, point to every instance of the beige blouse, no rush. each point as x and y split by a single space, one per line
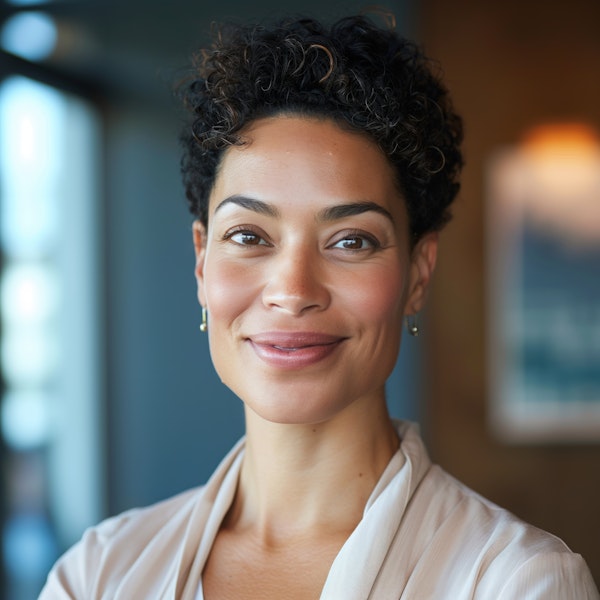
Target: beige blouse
423 536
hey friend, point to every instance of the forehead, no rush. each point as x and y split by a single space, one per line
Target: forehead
304 157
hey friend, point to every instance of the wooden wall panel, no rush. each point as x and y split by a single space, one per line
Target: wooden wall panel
510 65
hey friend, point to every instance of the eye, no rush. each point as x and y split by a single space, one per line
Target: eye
245 237
356 241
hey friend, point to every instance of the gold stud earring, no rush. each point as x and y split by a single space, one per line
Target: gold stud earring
204 324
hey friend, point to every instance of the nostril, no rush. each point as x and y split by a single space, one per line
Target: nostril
296 288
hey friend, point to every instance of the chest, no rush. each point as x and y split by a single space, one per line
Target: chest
238 567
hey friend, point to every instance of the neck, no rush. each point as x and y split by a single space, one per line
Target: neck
298 479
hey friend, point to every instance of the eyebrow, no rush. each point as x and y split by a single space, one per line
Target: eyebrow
331 213
256 206
340 211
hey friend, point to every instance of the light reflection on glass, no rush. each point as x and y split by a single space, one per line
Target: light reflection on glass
27 2
31 115
26 419
29 293
29 355
30 35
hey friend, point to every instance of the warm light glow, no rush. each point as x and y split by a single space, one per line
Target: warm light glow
554 177
563 159
566 139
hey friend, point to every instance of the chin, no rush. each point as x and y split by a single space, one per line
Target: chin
295 410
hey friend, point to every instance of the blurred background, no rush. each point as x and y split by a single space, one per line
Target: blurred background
108 399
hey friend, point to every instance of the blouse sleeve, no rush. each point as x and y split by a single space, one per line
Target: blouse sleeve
70 577
551 576
79 573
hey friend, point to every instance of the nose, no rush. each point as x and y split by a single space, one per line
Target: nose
296 282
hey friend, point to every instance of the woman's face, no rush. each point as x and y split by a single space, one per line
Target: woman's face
306 270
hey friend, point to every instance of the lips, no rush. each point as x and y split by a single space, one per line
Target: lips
295 350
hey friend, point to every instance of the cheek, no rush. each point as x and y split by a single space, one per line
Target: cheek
380 296
229 289
378 306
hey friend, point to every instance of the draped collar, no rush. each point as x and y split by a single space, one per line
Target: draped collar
363 564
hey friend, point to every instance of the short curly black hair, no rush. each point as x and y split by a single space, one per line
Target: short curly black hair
363 77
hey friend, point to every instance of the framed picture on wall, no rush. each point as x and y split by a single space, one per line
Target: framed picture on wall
543 230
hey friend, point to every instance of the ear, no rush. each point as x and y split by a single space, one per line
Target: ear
422 265
199 234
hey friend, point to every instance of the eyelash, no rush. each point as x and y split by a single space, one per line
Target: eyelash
245 230
361 235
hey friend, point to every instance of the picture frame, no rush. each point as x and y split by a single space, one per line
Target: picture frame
543 232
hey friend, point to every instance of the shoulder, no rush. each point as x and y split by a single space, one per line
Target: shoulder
547 575
148 519
116 544
139 525
478 520
482 545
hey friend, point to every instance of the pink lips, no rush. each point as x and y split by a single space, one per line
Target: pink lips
294 350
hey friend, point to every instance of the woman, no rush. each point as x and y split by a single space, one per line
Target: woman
320 166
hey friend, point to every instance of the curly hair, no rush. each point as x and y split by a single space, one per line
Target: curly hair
363 77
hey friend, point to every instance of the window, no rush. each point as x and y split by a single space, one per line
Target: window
49 314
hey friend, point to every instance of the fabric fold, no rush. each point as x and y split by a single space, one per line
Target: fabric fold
422 535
